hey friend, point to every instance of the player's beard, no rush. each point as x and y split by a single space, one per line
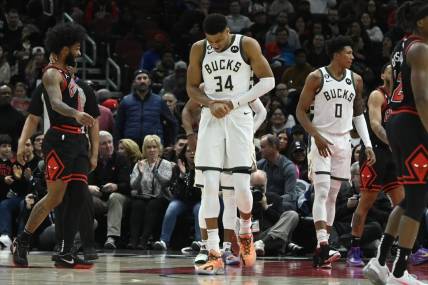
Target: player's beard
70 60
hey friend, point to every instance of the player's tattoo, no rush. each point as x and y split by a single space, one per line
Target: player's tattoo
38 214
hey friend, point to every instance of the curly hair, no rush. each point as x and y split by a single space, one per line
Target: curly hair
410 12
63 35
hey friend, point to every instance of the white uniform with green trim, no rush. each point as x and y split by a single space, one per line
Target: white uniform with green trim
226 143
333 113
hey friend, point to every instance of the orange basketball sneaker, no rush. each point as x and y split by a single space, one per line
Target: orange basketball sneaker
247 250
213 266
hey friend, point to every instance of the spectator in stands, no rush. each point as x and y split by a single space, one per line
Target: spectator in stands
374 32
281 172
280 49
235 21
185 197
279 6
105 120
37 140
279 121
287 99
332 26
5 165
153 55
100 15
276 226
19 178
283 143
302 30
109 186
295 75
130 149
171 101
12 35
4 67
317 55
34 67
20 100
11 120
176 82
297 154
150 194
320 7
164 68
142 113
282 22
260 26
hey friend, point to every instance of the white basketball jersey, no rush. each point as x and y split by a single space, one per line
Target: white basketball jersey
334 103
226 74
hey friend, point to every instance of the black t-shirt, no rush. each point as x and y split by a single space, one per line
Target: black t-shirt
90 106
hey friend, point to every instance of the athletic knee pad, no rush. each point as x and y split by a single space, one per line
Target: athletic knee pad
210 202
319 209
229 212
244 198
331 200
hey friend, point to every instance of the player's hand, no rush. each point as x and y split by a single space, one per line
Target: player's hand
93 161
371 157
20 154
84 119
322 145
219 109
191 142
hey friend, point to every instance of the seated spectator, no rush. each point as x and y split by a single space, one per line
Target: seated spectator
172 153
11 120
280 122
295 75
150 194
283 142
280 49
281 172
186 197
282 22
176 82
279 6
20 100
109 186
17 180
373 31
235 21
297 154
105 120
34 67
37 140
164 68
4 67
130 149
317 55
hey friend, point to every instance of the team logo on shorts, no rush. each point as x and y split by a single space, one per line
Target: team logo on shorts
348 81
234 49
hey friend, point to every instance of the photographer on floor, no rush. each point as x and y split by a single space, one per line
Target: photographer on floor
275 226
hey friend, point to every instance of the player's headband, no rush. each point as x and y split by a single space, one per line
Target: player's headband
423 12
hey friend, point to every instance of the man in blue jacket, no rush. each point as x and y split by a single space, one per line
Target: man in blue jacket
144 113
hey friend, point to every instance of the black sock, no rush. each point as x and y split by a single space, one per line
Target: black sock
400 263
25 236
355 242
324 251
384 248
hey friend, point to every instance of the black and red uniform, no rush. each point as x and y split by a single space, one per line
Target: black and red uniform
383 174
406 134
65 146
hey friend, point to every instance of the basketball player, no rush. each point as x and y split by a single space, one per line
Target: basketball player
190 118
65 146
408 137
336 93
225 62
382 176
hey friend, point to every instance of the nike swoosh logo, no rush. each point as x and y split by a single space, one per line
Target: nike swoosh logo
68 261
246 113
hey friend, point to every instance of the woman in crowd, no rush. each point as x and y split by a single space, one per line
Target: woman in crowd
186 197
149 195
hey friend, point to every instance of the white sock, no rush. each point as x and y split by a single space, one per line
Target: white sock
244 226
322 237
213 242
227 245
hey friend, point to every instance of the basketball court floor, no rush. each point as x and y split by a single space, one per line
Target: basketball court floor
126 267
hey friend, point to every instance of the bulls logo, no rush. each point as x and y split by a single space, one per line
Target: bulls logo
417 165
54 166
234 49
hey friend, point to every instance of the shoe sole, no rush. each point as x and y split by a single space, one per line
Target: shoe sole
351 264
76 266
13 259
373 277
210 272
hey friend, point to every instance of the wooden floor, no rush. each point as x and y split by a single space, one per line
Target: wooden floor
127 267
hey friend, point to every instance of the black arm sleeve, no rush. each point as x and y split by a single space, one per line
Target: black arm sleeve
36 104
91 106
